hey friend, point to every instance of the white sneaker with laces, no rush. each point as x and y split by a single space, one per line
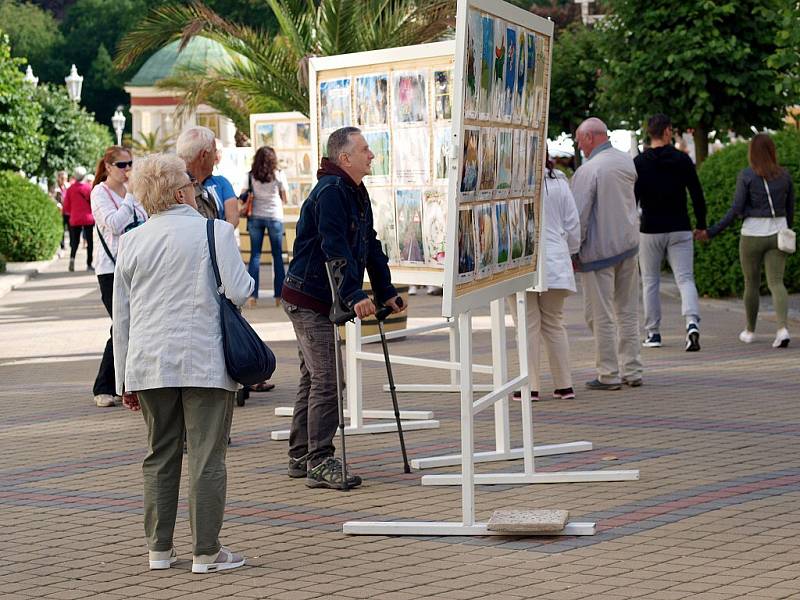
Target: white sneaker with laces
211 563
781 338
748 337
162 560
104 400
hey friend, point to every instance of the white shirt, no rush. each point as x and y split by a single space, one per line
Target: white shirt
266 196
165 311
112 214
763 226
562 232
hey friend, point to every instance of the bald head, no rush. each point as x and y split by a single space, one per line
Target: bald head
591 134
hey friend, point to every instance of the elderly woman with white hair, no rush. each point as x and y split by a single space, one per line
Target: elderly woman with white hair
169 359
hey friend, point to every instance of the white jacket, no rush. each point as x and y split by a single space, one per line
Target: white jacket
112 214
165 311
562 234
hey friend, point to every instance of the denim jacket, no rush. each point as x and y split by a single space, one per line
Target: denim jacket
336 221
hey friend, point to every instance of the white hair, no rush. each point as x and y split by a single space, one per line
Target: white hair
193 141
154 179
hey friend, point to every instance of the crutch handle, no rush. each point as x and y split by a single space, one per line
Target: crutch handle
384 311
340 312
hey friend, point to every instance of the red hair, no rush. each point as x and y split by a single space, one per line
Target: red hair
111 154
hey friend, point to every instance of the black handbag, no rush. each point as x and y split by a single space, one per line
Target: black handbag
247 358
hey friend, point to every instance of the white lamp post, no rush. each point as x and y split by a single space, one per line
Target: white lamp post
30 77
118 122
74 84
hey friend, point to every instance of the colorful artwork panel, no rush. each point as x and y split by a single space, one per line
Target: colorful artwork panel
498 74
502 235
473 75
434 212
285 135
504 159
488 158
303 163
442 149
334 98
378 142
533 160
510 76
530 229
516 222
484 234
520 169
466 245
530 78
485 102
303 134
411 159
371 100
286 163
470 161
443 94
410 100
383 221
519 92
408 204
265 135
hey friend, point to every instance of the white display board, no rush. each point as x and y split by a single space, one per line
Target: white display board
289 134
401 99
500 111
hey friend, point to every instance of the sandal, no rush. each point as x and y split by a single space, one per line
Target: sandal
264 386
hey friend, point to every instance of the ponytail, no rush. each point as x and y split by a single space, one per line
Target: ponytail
111 153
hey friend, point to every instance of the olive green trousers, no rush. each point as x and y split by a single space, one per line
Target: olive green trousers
753 252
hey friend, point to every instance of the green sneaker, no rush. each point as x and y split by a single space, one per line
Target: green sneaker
328 474
298 467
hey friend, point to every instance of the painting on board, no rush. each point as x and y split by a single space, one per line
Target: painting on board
466 246
410 104
533 159
516 224
504 160
442 144
502 235
303 134
408 204
530 229
293 194
378 142
473 75
434 211
487 67
305 191
510 76
371 100
519 92
519 170
334 104
442 94
530 78
286 163
411 157
265 134
383 221
498 76
469 161
488 157
303 163
484 229
285 135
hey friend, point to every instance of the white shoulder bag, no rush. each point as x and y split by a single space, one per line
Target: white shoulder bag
787 241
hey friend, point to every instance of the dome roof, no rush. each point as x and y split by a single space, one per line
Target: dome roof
199 52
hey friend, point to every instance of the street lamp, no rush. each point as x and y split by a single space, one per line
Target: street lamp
30 77
74 84
118 122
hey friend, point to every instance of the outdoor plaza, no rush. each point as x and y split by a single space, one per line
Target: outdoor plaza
714 514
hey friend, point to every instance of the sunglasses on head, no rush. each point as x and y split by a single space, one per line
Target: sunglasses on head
123 164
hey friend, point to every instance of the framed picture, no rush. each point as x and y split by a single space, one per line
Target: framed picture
434 218
470 162
303 135
334 104
466 245
502 236
488 157
265 135
505 159
442 149
442 94
378 142
372 95
411 149
408 203
473 59
484 234
510 75
410 103
383 221
516 224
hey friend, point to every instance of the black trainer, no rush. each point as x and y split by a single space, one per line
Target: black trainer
653 340
328 474
298 467
692 337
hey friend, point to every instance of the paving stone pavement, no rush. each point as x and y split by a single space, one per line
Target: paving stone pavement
715 515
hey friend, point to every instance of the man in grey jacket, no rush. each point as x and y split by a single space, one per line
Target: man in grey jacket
603 190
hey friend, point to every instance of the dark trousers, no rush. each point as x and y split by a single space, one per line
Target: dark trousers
75 241
105 383
65 219
316 414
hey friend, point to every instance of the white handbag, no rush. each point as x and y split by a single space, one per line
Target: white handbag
787 240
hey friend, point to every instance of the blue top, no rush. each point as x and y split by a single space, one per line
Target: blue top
220 189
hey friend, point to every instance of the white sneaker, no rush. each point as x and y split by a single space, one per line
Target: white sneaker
104 400
211 563
412 290
748 337
781 338
162 560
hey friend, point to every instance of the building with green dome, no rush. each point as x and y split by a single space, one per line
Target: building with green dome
153 108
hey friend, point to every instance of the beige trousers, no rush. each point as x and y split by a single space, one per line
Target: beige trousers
545 316
611 303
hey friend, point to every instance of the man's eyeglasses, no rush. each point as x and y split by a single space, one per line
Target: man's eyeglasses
123 164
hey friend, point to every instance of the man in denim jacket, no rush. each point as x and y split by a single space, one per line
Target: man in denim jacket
335 221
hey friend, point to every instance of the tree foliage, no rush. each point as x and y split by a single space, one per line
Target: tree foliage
30 224
269 72
21 144
73 136
703 63
787 53
33 34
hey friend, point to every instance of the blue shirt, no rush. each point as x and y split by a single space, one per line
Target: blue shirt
220 189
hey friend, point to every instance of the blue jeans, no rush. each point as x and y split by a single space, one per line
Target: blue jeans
274 227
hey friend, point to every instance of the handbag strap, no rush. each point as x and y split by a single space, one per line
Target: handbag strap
769 197
212 251
105 246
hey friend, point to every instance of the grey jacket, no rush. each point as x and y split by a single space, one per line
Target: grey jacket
603 190
751 200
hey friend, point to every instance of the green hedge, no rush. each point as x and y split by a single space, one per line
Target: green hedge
30 222
716 266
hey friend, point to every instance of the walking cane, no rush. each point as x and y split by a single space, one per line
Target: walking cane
381 315
339 315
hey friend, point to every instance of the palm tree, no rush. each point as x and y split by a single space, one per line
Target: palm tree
150 143
270 72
